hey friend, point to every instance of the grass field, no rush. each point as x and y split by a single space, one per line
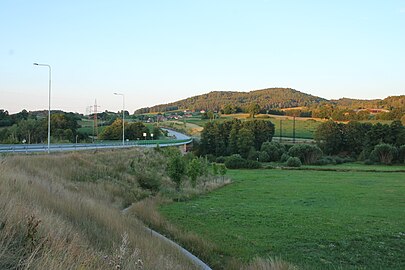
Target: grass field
313 219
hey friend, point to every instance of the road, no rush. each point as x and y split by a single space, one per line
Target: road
178 139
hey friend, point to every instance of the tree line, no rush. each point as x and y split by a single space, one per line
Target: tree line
133 131
359 140
30 128
222 138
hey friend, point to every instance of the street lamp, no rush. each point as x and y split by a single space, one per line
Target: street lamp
49 104
123 117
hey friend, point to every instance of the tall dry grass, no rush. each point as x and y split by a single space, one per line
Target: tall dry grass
62 211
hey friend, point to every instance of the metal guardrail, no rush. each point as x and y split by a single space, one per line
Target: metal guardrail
32 148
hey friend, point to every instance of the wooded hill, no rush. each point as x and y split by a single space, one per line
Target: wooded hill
268 99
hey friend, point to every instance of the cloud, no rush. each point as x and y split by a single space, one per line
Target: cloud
402 10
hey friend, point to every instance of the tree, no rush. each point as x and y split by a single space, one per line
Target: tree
384 153
245 142
229 109
274 150
253 109
194 170
214 169
293 162
329 137
176 168
134 131
222 170
354 137
262 131
307 153
113 131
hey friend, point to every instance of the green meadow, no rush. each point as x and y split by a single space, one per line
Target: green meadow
312 219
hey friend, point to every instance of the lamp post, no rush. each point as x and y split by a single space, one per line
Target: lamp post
123 117
49 104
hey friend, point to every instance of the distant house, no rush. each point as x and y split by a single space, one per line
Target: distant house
373 111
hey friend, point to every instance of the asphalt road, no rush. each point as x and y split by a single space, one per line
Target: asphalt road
178 139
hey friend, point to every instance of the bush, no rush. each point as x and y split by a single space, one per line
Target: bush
211 158
326 160
401 154
234 162
264 157
293 162
252 164
339 160
149 181
274 149
284 157
220 159
237 162
253 154
384 153
307 153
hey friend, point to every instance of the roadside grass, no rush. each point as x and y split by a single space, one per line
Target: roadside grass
312 219
63 211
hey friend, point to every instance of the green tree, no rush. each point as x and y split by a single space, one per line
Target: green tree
245 142
274 150
214 169
253 109
176 169
329 137
134 131
113 131
384 153
222 170
307 153
194 170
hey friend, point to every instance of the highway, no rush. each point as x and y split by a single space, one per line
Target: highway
178 139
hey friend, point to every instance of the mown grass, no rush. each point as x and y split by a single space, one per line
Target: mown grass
63 211
313 219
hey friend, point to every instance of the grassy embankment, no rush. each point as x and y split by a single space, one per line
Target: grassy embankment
313 219
63 211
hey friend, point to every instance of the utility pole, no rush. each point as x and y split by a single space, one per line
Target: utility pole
281 129
95 118
89 110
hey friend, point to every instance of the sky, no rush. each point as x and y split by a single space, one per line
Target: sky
161 51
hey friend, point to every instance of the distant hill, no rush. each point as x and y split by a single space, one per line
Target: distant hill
270 99
267 99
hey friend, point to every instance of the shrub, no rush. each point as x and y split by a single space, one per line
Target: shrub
237 162
293 162
401 154
176 168
273 149
384 153
284 157
210 157
149 181
252 164
307 153
253 154
326 160
220 159
234 162
264 157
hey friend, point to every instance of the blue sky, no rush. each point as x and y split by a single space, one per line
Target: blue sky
161 51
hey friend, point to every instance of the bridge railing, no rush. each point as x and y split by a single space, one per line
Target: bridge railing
12 148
